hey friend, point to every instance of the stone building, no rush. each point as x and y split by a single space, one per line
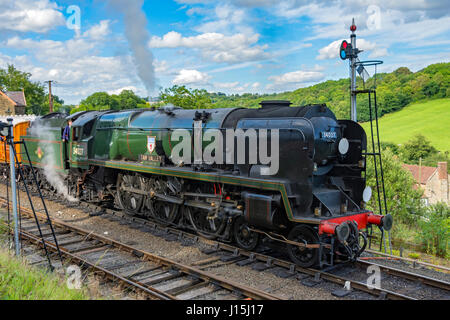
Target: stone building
434 181
12 103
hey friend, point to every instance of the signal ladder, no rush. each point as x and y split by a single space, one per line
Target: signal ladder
23 178
377 163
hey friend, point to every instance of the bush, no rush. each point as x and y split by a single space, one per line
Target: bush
435 227
413 255
416 148
403 201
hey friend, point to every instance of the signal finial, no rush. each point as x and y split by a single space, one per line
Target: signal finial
353 26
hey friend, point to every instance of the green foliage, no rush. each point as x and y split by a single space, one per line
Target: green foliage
416 148
19 281
433 159
12 79
84 108
127 99
413 255
392 146
394 91
403 201
183 97
100 101
435 229
429 118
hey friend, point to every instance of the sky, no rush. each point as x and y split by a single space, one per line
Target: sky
230 46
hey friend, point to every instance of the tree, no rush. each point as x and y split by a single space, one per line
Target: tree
403 200
58 105
183 97
100 101
12 79
417 147
430 88
435 229
127 99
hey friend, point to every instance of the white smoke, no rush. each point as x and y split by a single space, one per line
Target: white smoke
138 38
55 178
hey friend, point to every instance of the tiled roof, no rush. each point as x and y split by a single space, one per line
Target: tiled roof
18 97
425 172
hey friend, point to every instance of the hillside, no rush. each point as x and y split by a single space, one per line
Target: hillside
431 119
395 90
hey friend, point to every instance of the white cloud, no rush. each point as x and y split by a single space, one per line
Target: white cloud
226 19
299 76
226 85
214 46
191 77
76 66
233 87
378 52
26 15
98 31
331 51
160 66
295 79
51 50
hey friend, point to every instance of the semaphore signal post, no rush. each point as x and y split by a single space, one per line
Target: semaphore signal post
350 51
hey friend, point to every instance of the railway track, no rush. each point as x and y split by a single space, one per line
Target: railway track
264 261
223 253
151 275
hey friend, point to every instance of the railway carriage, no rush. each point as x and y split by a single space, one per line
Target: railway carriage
20 129
313 204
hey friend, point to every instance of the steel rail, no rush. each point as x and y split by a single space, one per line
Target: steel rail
287 264
147 256
339 280
235 250
430 265
208 241
408 275
264 258
135 285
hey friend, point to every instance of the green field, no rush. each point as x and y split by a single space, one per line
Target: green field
431 119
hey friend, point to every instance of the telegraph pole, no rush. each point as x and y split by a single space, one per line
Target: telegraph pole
50 99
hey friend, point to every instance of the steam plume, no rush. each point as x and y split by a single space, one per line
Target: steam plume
138 38
48 160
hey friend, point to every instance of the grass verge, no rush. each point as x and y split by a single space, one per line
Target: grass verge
20 281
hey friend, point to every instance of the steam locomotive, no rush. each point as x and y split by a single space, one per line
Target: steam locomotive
313 203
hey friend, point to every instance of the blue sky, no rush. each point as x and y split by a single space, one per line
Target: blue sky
231 46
